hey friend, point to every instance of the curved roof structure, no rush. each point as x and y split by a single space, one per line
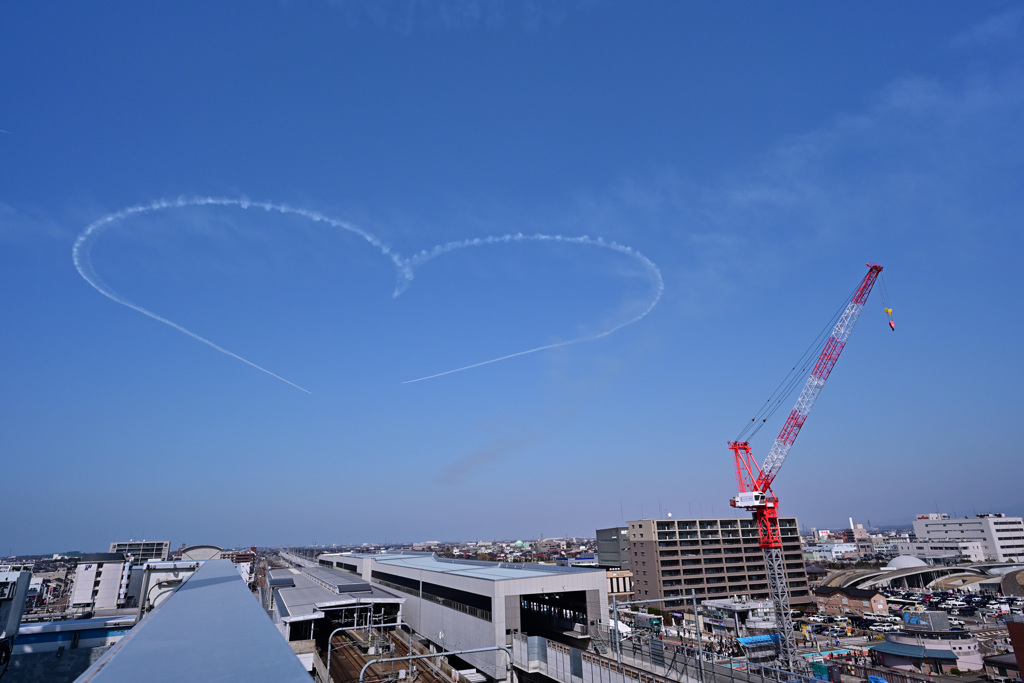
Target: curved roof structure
1013 583
907 571
201 552
917 577
905 562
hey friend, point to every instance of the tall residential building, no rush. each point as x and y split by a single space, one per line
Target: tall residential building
716 558
613 548
1001 537
140 551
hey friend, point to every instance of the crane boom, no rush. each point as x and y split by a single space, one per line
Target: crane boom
755 481
826 361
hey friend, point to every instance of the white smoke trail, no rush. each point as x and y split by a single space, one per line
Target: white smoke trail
652 271
83 262
404 267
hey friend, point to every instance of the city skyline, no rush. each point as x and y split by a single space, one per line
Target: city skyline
461 269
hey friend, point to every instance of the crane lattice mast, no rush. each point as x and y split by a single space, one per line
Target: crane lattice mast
755 481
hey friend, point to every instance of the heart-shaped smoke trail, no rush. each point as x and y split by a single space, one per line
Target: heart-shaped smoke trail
404 267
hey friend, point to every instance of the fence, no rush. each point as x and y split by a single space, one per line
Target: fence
653 661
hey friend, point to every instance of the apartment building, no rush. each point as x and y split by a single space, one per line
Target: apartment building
715 558
140 551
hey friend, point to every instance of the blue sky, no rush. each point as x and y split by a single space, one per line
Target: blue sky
711 179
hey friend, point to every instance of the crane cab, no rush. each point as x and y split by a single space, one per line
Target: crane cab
749 499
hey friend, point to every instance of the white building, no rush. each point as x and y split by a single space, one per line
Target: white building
101 581
830 552
464 604
1001 538
738 616
957 551
889 544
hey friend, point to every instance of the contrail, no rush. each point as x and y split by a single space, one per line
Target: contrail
652 272
83 262
404 267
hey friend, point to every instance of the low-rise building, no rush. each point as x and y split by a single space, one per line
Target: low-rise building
927 646
831 552
620 584
738 617
836 601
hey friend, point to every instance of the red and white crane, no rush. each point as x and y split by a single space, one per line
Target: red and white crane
755 481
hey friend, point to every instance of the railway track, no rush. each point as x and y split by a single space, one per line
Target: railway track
348 659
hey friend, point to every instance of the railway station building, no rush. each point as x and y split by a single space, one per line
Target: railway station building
459 605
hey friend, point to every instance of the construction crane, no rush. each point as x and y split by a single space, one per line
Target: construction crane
755 482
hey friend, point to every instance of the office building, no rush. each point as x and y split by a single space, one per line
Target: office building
613 548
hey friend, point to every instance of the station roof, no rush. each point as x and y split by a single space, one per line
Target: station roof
302 593
489 571
209 629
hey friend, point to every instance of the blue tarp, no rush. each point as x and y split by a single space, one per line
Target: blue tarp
757 640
